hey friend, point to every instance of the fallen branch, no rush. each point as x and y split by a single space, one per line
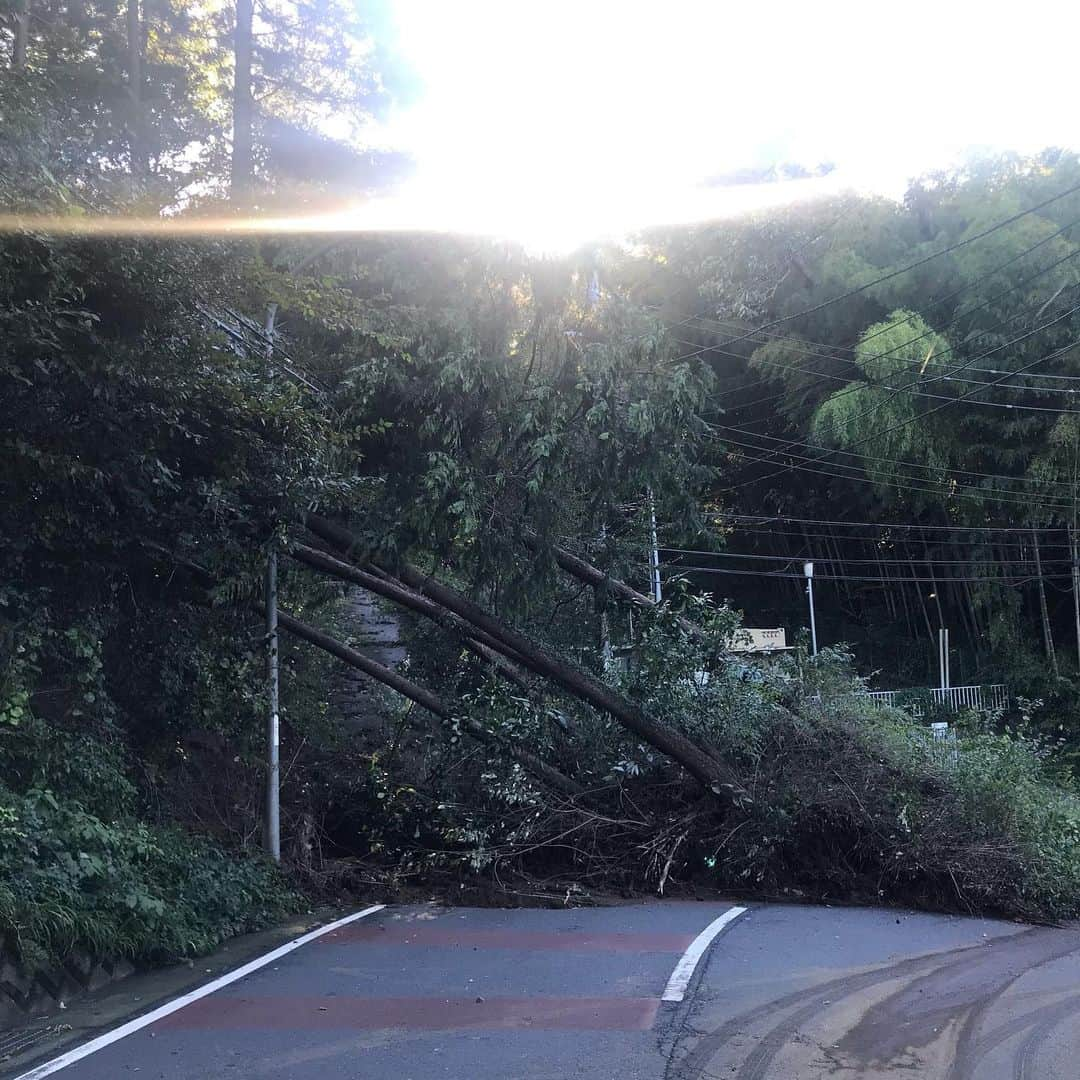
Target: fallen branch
481 645
594 576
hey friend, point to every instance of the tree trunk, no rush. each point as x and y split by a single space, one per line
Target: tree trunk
594 576
883 572
140 164
243 106
709 771
973 610
922 601
530 762
1048 636
487 648
21 35
912 629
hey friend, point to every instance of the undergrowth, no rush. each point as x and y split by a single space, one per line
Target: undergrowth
74 882
844 800
84 866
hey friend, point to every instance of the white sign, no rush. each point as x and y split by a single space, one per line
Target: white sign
747 640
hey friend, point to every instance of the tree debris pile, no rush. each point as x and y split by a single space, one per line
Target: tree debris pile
838 799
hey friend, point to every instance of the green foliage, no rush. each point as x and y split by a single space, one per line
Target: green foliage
466 406
122 888
81 871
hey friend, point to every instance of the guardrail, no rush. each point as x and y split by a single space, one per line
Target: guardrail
954 698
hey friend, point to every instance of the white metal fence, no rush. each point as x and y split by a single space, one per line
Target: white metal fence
954 698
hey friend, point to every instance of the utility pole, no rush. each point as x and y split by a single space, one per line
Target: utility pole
808 570
272 838
1075 582
943 658
654 552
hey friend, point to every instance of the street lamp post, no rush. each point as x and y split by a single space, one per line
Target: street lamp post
808 570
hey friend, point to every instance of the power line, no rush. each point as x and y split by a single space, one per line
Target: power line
884 460
868 382
965 397
957 316
895 480
898 580
796 343
949 375
962 367
863 562
896 541
938 408
759 519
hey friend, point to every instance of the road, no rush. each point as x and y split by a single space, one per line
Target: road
780 993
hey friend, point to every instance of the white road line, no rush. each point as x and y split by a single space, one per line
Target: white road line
684 969
140 1022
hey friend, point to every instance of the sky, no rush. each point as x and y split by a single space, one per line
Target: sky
555 122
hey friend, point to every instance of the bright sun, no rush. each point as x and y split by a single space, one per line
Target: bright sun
559 121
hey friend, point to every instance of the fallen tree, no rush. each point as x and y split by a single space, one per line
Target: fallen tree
707 769
476 641
541 770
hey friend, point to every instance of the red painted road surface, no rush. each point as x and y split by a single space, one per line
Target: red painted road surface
427 992
415 1013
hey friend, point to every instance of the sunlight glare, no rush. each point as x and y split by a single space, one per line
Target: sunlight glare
559 121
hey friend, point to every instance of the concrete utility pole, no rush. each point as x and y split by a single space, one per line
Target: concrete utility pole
808 570
1075 556
273 763
272 831
943 658
654 553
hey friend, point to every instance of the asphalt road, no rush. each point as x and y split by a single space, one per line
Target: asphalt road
783 993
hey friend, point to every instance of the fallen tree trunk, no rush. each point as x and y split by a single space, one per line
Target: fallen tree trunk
709 771
592 575
481 645
541 770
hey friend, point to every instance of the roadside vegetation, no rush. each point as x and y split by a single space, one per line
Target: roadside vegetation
480 437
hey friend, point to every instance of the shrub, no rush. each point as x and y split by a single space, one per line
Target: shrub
76 882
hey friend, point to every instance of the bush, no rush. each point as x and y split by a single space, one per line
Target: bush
79 870
76 882
855 802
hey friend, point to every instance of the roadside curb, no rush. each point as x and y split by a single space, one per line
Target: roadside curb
36 993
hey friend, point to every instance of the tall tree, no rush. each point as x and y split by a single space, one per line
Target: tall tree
135 49
243 164
21 34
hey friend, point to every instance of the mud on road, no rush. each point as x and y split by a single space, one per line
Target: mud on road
1005 1006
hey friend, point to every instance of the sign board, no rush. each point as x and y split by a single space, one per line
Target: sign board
757 641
